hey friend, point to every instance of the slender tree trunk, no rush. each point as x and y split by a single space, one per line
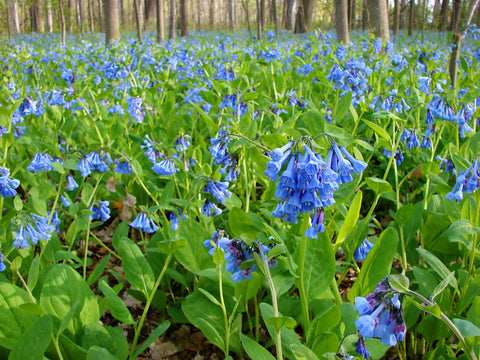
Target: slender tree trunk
160 21
71 13
172 21
212 14
79 16
7 15
411 17
443 19
247 15
457 43
396 17
424 19
365 15
13 6
259 21
262 13
341 21
39 20
199 17
112 24
456 15
274 16
139 17
100 15
183 18
49 17
90 15
379 19
62 21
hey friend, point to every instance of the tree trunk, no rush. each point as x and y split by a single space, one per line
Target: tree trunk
71 12
39 20
456 15
274 16
13 6
341 21
379 19
442 16
90 15
247 15
396 17
183 18
100 15
172 21
290 14
62 21
80 16
212 14
8 23
424 19
123 13
411 17
112 23
49 16
262 13
365 15
307 14
259 21
199 18
138 17
352 14
160 21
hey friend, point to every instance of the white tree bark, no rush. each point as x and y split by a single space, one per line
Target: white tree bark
13 6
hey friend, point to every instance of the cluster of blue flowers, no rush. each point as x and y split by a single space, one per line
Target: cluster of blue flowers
100 210
398 155
236 253
308 182
145 223
219 191
439 107
33 229
174 220
467 181
381 315
362 251
42 162
7 184
446 165
390 103
94 162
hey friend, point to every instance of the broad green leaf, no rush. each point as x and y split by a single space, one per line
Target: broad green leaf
437 266
159 330
171 245
430 167
241 224
319 266
399 283
194 256
62 288
467 329
301 352
109 338
98 353
443 284
379 186
33 273
117 307
66 320
282 321
95 274
137 270
378 130
323 322
342 106
350 219
210 297
254 350
377 265
34 341
14 322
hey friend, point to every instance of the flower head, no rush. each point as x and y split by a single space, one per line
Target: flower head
145 223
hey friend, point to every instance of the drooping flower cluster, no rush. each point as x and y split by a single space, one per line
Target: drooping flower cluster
309 182
7 185
467 181
2 265
381 315
32 229
174 219
362 251
94 162
446 165
390 102
41 162
440 108
144 222
398 155
219 191
236 253
100 210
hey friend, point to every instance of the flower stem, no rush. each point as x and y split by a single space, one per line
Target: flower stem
224 309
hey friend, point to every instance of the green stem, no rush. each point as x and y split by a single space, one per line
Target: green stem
301 279
264 148
224 309
138 329
271 285
468 352
336 294
54 206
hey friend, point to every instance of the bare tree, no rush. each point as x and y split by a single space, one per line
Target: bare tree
150 10
71 12
396 17
304 16
49 16
13 6
79 16
341 21
443 16
274 16
62 21
8 23
100 15
212 14
183 18
365 15
38 16
139 17
160 21
411 17
259 21
112 24
90 15
379 19
247 15
172 21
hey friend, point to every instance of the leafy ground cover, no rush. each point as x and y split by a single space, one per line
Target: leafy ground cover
217 196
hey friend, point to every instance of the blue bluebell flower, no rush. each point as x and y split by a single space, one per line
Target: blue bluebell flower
7 184
361 348
219 148
122 167
183 143
65 201
144 222
98 161
71 183
466 181
317 224
150 151
135 108
362 251
35 228
100 210
174 220
85 166
381 315
218 189
2 265
40 162
165 167
209 208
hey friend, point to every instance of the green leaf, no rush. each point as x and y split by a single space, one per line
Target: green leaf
377 265
159 330
210 297
301 352
350 219
34 341
319 266
137 167
218 256
282 321
194 256
379 186
323 322
430 167
14 322
399 283
443 284
467 329
456 231
437 266
95 274
254 350
66 320
33 273
18 203
378 130
57 166
137 270
117 307
430 309
171 245
342 106
241 224
62 288
109 338
98 353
